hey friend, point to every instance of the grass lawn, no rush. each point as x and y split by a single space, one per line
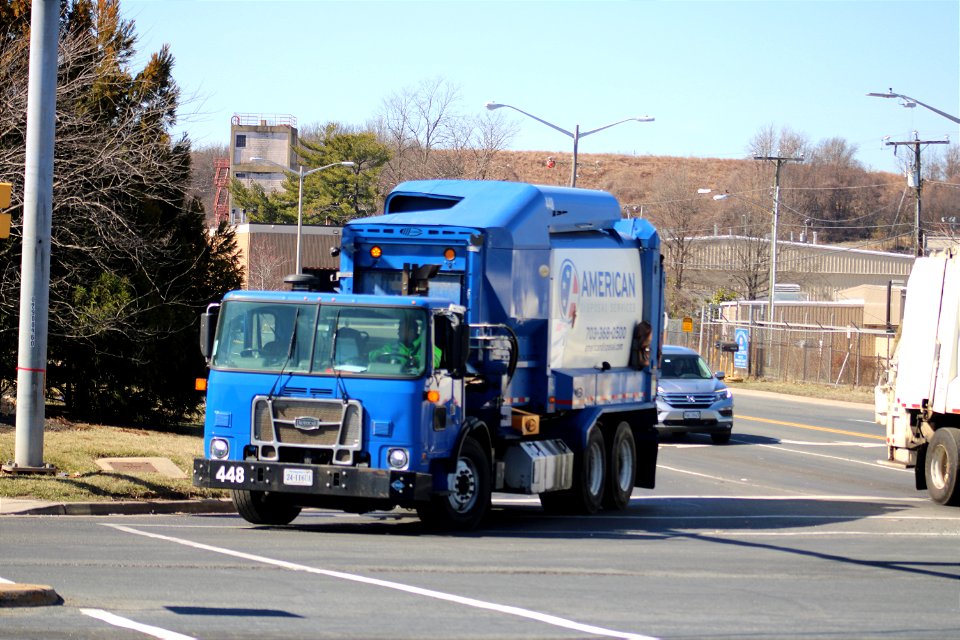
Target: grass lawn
73 448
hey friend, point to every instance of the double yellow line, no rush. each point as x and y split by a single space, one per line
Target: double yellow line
813 428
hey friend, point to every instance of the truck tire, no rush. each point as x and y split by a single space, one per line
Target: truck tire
262 507
465 507
589 480
622 468
941 466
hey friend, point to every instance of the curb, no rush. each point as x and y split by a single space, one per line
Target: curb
149 507
28 595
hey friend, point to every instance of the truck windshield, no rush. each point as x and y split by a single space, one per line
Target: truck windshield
321 339
372 341
264 336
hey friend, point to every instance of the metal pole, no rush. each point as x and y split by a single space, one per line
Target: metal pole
773 244
300 223
780 160
918 235
576 139
37 216
918 232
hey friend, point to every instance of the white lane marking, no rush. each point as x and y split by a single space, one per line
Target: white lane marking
807 443
684 445
5 581
705 475
827 498
429 593
810 534
147 629
823 455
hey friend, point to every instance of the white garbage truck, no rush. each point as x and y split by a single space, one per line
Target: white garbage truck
919 402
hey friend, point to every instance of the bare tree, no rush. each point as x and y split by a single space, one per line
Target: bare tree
267 269
428 137
680 216
770 142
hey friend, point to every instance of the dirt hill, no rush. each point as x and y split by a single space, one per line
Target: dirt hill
628 177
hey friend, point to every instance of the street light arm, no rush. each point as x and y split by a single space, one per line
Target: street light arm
954 119
332 164
494 105
302 173
613 124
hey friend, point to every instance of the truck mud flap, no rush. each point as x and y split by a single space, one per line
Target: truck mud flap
919 471
401 487
647 447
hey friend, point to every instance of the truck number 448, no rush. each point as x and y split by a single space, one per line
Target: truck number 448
230 474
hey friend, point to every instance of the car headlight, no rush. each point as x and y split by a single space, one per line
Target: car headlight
398 458
723 394
219 448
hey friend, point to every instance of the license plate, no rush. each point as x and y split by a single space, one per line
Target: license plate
691 415
298 477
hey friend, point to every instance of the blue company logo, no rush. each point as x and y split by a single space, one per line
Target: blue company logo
569 290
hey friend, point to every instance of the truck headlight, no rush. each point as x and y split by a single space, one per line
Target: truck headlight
398 458
219 448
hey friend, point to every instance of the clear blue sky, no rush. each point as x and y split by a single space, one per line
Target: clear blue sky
712 73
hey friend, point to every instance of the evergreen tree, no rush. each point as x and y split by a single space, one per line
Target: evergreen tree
131 262
332 196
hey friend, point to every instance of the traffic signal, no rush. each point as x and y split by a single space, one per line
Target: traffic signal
5 189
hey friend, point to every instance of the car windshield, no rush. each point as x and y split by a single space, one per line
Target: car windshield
687 366
320 339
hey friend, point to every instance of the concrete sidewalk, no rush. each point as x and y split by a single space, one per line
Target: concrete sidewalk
24 507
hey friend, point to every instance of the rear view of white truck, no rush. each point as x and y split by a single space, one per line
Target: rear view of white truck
919 403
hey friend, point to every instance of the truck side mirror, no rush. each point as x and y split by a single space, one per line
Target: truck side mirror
453 337
208 326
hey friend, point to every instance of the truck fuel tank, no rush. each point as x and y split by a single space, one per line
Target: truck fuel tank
536 466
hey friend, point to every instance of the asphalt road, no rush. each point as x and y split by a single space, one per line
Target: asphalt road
792 530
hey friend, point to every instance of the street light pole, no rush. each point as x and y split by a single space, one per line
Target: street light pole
301 174
576 134
891 94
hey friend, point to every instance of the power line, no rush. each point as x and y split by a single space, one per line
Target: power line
918 179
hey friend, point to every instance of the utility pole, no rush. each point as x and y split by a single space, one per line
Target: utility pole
918 185
37 217
780 160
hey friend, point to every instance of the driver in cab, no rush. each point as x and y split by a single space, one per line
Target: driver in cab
408 348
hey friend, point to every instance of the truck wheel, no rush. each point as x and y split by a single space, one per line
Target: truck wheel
262 507
622 458
941 466
469 499
589 478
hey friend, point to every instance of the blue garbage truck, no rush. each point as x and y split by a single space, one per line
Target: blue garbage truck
483 337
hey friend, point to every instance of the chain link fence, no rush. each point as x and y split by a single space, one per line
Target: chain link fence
786 352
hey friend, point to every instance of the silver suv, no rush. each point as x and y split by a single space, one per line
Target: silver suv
692 399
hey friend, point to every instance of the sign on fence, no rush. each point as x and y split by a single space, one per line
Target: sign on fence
740 358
